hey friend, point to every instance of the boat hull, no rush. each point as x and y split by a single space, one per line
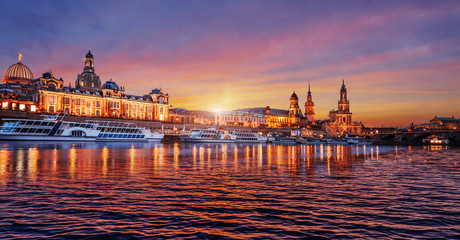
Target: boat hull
8 137
201 140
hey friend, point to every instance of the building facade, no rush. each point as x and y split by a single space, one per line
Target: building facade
88 98
339 122
309 107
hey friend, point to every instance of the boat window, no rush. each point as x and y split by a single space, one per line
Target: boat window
78 133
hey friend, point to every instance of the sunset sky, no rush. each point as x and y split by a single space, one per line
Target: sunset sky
400 59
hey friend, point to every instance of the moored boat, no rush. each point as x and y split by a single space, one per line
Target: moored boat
53 129
210 135
435 140
249 137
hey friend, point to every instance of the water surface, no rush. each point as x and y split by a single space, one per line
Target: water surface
229 191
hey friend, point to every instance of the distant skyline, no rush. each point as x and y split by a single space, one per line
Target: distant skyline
400 59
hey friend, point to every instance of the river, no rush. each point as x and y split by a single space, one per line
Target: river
227 191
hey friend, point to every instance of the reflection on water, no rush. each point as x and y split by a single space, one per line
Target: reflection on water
122 190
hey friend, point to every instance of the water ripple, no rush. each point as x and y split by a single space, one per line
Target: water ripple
184 191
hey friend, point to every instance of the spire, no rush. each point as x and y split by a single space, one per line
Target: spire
343 83
89 54
309 87
20 57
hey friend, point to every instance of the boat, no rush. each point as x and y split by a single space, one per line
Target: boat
53 129
358 141
435 140
249 137
285 141
210 135
335 141
309 141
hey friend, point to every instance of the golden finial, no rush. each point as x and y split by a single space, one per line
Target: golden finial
20 56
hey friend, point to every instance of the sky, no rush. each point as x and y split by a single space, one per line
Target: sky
400 59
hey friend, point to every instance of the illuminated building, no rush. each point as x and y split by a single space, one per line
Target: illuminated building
240 118
294 110
277 118
48 94
88 80
16 88
438 123
339 122
309 107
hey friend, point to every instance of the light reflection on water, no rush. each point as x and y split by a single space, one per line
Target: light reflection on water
123 190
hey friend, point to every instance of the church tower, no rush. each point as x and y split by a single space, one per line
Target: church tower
343 113
309 107
88 80
294 109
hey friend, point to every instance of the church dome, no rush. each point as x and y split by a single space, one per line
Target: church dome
294 96
110 85
19 73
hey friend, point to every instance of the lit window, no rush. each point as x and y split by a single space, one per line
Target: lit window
33 108
4 104
52 99
22 107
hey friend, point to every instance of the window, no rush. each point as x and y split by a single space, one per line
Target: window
52 99
4 105
114 104
67 110
98 113
88 103
66 100
52 87
88 112
51 109
77 102
33 108
77 111
98 104
22 107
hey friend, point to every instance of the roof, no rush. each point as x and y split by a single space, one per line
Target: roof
447 118
89 54
18 71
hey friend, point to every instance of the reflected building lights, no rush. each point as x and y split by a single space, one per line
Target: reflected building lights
321 152
20 164
224 156
235 163
132 156
269 155
260 153
4 160
105 157
248 157
194 156
32 163
176 155
73 158
55 159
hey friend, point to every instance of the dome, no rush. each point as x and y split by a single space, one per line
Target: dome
110 85
155 91
294 96
18 73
